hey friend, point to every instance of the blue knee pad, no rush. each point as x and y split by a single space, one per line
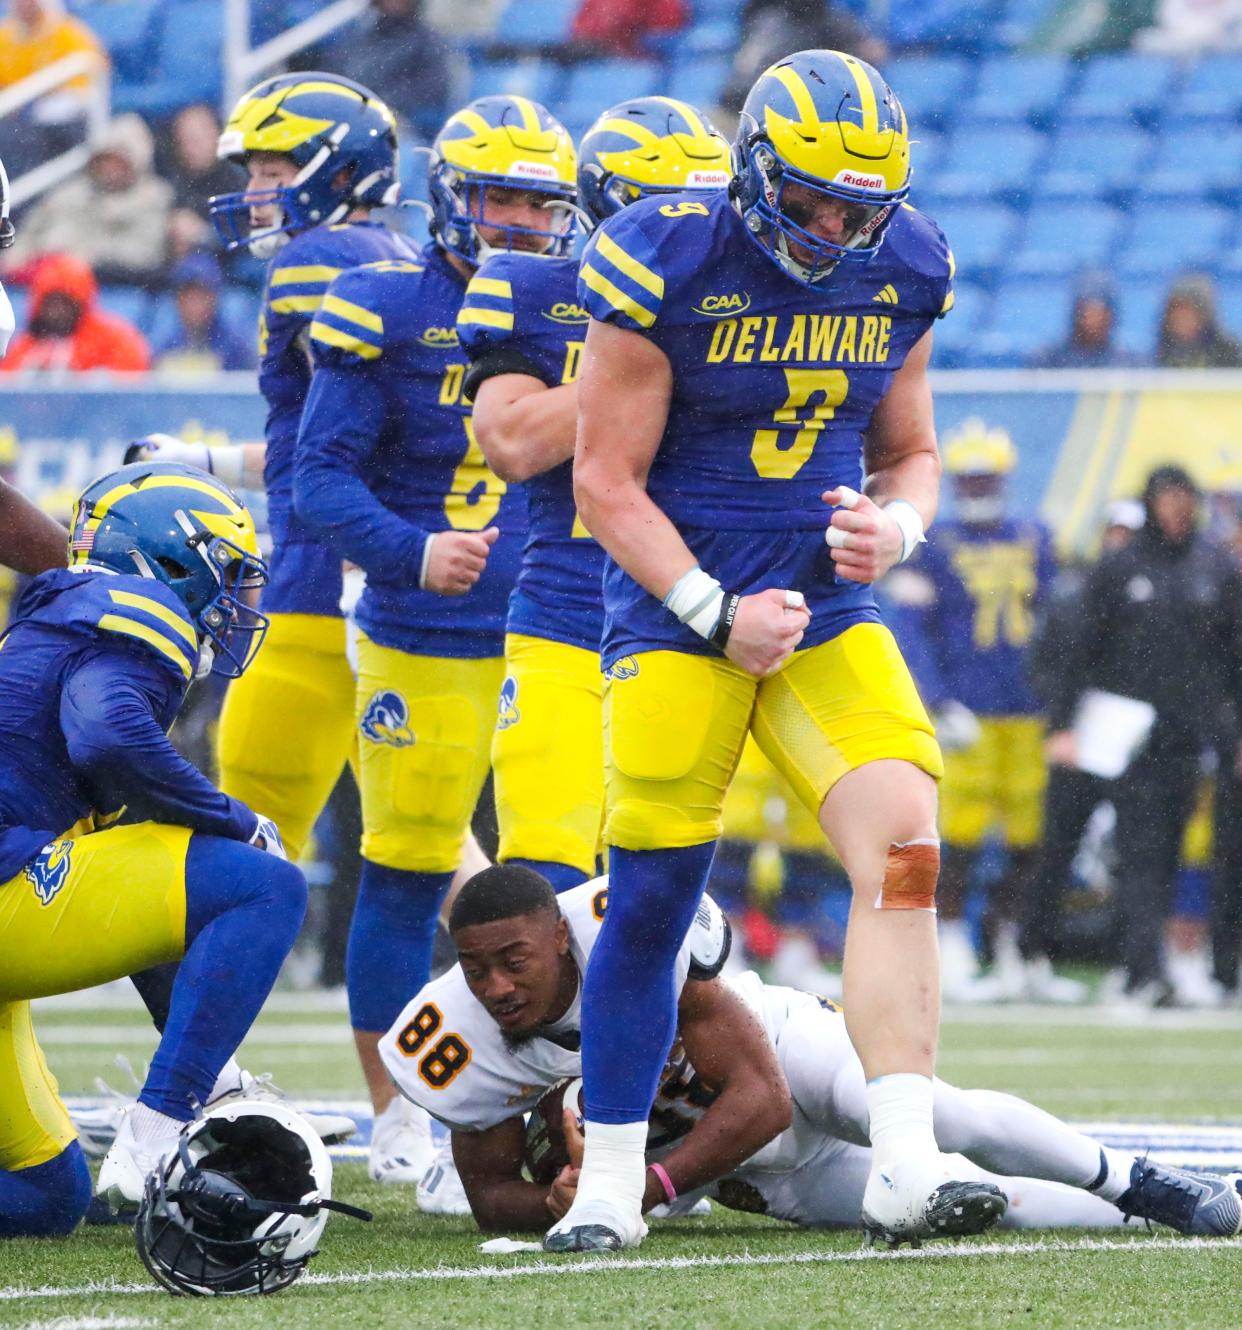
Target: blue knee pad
562 876
390 941
48 1200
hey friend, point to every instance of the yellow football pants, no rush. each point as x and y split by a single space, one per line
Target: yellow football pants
675 726
424 740
88 910
997 782
287 728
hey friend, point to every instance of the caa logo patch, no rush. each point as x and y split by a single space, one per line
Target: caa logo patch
719 307
387 720
438 338
509 714
50 871
625 668
563 312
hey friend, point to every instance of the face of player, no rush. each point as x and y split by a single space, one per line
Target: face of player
268 171
520 969
826 218
503 207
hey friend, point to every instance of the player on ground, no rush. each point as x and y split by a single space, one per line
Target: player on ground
522 327
93 672
763 1101
389 476
749 360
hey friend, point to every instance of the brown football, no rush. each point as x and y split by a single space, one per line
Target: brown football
545 1153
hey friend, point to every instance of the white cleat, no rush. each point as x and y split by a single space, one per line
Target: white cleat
439 1189
596 1226
331 1128
127 1165
1041 983
928 1196
401 1146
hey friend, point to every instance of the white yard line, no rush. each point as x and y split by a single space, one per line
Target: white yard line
88 1323
619 1264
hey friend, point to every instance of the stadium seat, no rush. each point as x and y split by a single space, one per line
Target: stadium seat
546 23
1213 88
926 153
986 161
1062 238
1122 87
1020 88
187 66
1138 314
1019 20
1025 317
929 87
980 235
1158 245
1196 159
957 333
130 303
700 81
1086 162
532 77
595 85
715 37
129 32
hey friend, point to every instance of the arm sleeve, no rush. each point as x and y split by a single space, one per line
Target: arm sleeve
621 279
108 714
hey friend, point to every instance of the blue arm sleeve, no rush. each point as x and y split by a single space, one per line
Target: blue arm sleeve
341 425
108 713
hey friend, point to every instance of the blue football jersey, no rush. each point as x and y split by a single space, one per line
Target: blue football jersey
305 574
92 673
774 385
387 456
521 316
986 584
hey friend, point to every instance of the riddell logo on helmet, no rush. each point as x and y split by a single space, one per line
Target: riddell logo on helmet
860 181
707 179
533 170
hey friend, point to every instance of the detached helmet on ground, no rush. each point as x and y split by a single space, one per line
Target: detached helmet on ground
340 135
504 142
645 146
239 1207
178 525
827 122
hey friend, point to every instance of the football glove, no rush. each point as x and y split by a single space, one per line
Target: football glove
266 837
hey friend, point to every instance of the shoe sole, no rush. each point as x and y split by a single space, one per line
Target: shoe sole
954 1210
586 1238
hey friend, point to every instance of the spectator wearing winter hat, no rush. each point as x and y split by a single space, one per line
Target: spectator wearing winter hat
1190 333
202 342
1092 341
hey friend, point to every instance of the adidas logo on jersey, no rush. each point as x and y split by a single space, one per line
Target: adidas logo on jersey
717 307
886 295
438 337
563 312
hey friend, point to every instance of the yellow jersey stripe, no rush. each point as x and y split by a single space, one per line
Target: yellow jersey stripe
307 272
297 304
487 318
948 303
952 266
618 299
162 644
330 336
358 314
866 95
801 95
157 611
630 266
490 286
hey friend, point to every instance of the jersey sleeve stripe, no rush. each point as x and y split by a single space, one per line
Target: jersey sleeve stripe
297 304
617 298
490 286
948 303
487 318
158 611
330 336
351 313
165 646
305 274
637 272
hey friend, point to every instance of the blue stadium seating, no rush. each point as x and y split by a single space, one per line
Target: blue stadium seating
713 37
1026 316
1020 19
926 153
545 23
1122 87
129 31
537 79
183 72
1160 241
929 87
980 236
596 84
1194 160
1064 238
1019 88
1229 303
1212 90
985 161
957 334
1092 163
699 82
1138 313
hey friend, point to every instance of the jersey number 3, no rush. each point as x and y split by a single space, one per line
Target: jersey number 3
446 1056
775 454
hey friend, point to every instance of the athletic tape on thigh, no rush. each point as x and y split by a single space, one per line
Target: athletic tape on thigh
910 875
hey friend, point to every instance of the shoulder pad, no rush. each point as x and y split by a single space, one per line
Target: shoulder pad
621 277
921 247
486 315
143 612
710 939
299 275
348 327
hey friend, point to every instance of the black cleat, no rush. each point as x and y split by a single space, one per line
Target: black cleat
583 1238
953 1210
1201 1204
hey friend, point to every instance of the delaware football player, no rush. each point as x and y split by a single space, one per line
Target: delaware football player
762 1102
522 327
755 447
389 475
92 674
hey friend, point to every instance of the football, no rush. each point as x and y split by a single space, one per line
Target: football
545 1152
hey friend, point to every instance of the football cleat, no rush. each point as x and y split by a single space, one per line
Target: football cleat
331 1128
127 1165
918 1198
595 1226
401 1146
1201 1204
439 1189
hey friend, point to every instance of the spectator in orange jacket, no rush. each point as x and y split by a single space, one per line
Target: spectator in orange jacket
68 330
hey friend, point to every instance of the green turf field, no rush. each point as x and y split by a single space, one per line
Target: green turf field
725 1271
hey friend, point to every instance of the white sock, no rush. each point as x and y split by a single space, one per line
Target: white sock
229 1079
1118 1179
899 1108
614 1163
152 1128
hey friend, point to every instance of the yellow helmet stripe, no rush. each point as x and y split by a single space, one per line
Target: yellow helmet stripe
615 296
697 128
162 644
159 482
157 611
642 136
530 117
472 120
330 336
487 318
866 95
630 266
346 309
800 93
339 89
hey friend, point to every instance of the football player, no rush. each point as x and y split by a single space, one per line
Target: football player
389 475
93 671
755 447
762 1102
522 327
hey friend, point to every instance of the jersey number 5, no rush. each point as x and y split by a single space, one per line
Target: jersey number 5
777 456
445 1058
474 495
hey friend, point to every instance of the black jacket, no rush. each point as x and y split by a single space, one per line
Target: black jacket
1160 622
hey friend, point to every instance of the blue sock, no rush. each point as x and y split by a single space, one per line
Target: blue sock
562 876
390 940
629 1008
48 1200
243 909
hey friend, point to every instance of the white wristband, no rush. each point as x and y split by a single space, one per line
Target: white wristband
696 599
907 517
422 572
228 463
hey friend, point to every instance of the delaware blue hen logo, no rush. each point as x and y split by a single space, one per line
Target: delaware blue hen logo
387 720
509 714
49 872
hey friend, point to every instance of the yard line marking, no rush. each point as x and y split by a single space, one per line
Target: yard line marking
89 1323
616 1264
